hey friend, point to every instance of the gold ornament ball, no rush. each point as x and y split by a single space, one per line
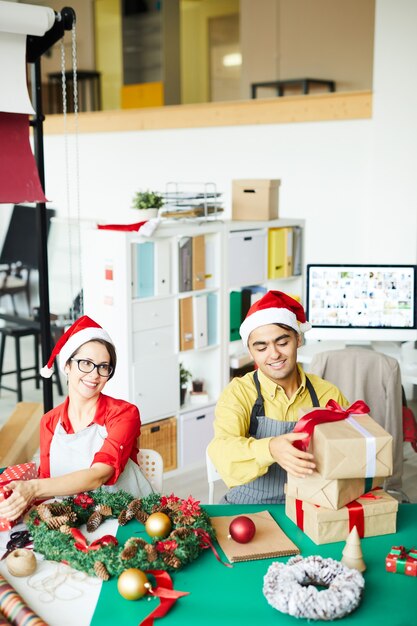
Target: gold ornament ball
158 525
21 562
132 584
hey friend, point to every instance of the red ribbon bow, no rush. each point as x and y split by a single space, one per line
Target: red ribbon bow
165 592
332 413
81 541
206 542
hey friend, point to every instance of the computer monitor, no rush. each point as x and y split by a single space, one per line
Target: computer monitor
355 303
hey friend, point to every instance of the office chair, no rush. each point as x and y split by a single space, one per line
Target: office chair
14 279
363 374
152 465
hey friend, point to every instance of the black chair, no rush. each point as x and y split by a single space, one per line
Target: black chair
17 331
14 279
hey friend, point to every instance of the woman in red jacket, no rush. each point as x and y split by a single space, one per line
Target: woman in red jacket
90 440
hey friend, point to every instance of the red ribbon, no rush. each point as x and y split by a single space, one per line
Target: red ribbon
356 517
205 542
127 227
165 592
81 541
332 413
299 514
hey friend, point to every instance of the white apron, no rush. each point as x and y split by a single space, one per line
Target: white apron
73 452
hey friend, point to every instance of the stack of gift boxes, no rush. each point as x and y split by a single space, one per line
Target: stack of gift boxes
353 456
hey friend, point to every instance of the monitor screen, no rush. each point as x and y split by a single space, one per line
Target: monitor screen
362 302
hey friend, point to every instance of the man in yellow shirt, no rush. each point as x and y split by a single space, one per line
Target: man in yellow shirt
253 444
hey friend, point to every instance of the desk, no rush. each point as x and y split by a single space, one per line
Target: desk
303 83
407 358
225 596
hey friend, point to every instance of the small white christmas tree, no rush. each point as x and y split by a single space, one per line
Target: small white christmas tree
352 552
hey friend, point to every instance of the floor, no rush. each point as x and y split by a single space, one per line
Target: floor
182 483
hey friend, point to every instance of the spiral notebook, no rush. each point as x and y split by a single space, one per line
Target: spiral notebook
269 541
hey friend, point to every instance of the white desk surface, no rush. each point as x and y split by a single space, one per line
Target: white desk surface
406 356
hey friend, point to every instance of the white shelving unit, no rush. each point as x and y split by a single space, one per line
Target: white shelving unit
134 289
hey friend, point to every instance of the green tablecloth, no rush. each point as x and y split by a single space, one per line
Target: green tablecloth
221 596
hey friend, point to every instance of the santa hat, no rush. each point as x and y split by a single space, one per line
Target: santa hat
84 329
275 307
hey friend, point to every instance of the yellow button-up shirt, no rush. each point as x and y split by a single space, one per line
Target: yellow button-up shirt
239 458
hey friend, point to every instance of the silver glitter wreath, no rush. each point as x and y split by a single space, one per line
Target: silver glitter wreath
291 588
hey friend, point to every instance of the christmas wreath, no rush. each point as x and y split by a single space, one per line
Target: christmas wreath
54 527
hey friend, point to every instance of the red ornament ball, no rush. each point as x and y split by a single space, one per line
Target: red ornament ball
242 529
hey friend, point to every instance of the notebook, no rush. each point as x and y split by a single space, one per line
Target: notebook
269 540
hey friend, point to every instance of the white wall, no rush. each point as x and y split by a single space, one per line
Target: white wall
353 181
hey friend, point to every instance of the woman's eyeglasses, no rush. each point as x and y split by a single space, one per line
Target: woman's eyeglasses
87 366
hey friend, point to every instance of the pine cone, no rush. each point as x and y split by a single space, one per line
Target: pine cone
135 506
72 517
65 529
129 551
122 519
94 521
151 552
171 560
141 516
181 532
54 523
101 570
138 541
44 512
57 508
104 509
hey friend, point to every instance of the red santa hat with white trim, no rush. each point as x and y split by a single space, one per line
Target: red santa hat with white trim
275 307
82 330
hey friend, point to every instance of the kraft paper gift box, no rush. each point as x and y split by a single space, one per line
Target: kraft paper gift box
373 514
329 493
23 471
401 560
354 446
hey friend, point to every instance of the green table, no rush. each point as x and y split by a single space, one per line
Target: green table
222 596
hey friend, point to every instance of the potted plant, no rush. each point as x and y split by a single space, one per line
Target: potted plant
147 203
185 376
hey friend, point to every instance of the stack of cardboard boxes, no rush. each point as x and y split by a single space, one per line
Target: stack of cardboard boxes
353 457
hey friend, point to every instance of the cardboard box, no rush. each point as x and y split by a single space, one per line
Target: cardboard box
23 471
19 437
255 199
377 515
342 451
329 493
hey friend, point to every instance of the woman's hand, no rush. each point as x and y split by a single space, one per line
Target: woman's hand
294 461
23 492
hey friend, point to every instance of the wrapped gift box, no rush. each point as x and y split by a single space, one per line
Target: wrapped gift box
373 514
330 493
23 471
355 447
401 560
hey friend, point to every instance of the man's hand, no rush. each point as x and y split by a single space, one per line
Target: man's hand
23 493
294 461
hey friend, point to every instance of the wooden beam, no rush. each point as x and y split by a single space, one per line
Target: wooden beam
288 109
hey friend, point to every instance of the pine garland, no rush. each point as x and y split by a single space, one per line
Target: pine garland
53 538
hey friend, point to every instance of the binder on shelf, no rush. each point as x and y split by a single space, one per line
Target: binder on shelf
162 267
200 321
235 314
297 251
212 319
249 296
143 270
185 264
280 252
198 263
186 324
